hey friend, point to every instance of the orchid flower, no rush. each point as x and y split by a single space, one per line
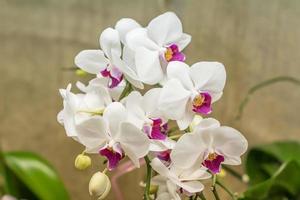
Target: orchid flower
159 43
101 82
177 180
112 136
209 145
191 90
108 62
143 112
79 107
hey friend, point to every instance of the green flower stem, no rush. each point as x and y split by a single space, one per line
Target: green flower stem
174 137
148 179
260 85
201 196
128 88
213 187
233 172
233 196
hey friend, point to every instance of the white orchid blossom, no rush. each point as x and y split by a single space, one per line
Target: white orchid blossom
159 43
144 113
191 90
112 136
177 180
210 145
108 62
79 107
115 116
101 82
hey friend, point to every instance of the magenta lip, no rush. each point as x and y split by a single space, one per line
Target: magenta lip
214 165
115 76
113 157
176 54
158 130
205 107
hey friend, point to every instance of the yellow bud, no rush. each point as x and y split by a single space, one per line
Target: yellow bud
82 162
153 189
99 185
197 119
222 173
80 72
245 178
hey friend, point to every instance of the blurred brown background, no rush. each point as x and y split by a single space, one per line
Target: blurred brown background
255 39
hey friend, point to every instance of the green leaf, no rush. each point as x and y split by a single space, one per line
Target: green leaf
33 176
283 184
263 161
273 170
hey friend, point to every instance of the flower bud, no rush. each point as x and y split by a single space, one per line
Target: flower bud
80 72
153 189
82 162
99 185
197 119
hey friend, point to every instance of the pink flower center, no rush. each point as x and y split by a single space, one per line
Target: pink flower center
164 156
173 54
113 155
157 130
202 103
213 162
114 74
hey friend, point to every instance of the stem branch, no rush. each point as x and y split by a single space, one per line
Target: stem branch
213 187
148 179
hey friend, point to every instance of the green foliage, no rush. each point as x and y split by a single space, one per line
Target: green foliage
27 175
273 170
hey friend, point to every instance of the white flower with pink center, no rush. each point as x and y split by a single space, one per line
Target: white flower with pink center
191 90
112 136
110 62
79 107
173 181
143 112
160 42
101 82
209 145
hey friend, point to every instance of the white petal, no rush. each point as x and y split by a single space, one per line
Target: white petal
172 189
183 41
188 151
92 132
60 117
91 61
139 38
194 173
136 114
134 142
110 42
207 123
192 186
187 118
162 145
115 113
158 180
125 25
129 73
173 99
148 66
128 57
229 141
180 71
165 28
150 102
160 168
208 76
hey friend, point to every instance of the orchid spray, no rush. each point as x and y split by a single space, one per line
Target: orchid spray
115 117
